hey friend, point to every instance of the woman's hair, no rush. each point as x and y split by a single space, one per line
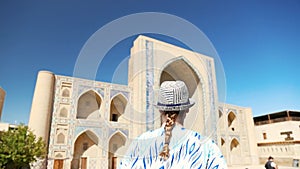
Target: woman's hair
170 121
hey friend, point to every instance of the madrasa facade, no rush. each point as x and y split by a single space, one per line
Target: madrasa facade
88 124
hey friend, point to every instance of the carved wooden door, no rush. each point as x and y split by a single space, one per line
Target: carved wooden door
58 164
83 163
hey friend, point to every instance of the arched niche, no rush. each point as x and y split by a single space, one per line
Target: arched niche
60 138
116 142
231 118
223 147
85 146
234 145
66 93
63 112
117 107
88 105
58 155
222 142
181 69
220 113
235 152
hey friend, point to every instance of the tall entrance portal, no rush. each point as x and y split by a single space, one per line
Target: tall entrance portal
153 62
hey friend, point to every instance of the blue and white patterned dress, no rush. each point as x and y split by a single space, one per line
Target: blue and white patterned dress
188 150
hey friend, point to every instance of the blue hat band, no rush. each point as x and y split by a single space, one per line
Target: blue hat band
173 105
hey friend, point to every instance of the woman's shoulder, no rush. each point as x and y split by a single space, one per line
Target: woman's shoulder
151 134
198 138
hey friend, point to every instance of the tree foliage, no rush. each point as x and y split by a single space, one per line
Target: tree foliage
19 147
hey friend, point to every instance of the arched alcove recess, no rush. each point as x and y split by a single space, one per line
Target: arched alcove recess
231 118
180 69
222 142
223 147
61 138
117 107
221 121
88 104
86 145
63 112
235 152
234 145
59 155
115 143
220 113
66 93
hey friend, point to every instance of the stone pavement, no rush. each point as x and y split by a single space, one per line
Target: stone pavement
259 167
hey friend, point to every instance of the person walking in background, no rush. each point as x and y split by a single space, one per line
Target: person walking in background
172 146
270 164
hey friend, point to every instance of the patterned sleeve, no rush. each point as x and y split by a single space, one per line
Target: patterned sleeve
136 154
215 158
130 157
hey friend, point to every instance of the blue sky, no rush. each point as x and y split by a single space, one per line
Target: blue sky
257 42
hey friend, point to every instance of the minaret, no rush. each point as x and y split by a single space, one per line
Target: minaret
42 104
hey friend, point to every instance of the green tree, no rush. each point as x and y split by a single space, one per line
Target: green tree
19 147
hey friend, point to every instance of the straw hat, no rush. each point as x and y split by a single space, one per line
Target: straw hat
173 96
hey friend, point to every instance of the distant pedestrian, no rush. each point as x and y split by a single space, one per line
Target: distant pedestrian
270 164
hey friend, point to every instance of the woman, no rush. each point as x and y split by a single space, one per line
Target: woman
173 146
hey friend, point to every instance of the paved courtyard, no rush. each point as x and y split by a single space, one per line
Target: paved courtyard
260 167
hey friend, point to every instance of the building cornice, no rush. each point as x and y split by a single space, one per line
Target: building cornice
279 143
